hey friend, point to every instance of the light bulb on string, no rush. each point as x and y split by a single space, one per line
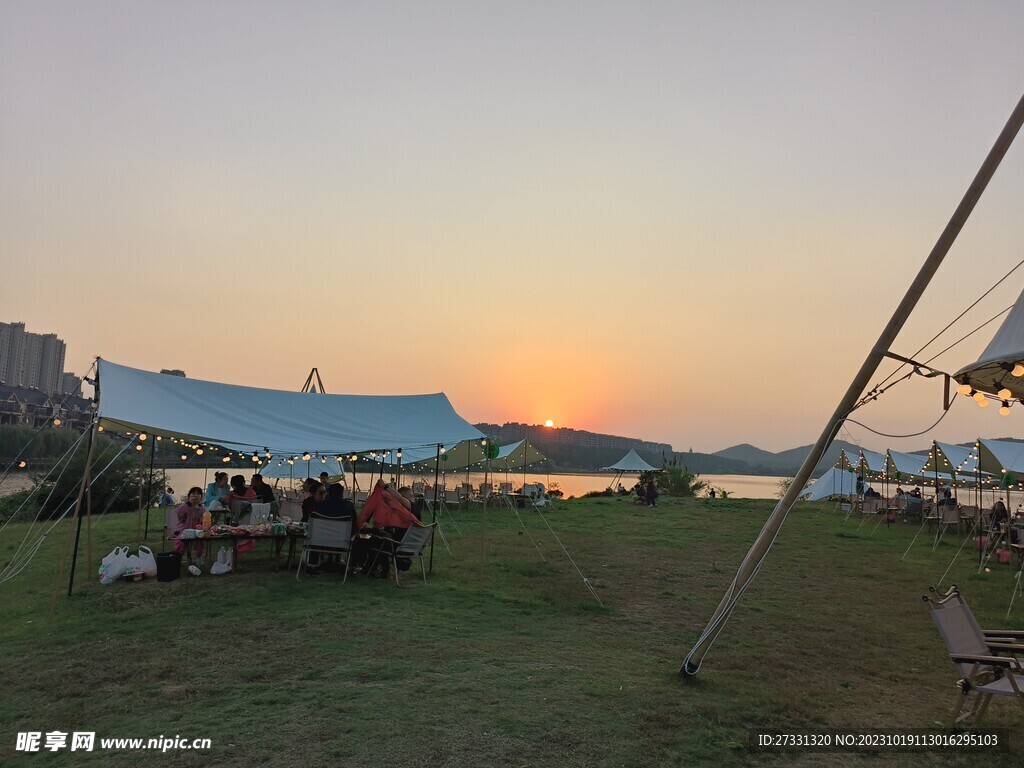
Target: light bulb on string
184 457
964 389
138 447
979 397
1018 370
1004 410
56 422
199 451
226 459
1005 394
305 456
983 403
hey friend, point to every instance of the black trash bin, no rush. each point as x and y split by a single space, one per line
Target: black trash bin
168 566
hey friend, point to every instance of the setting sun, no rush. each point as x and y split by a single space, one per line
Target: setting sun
549 423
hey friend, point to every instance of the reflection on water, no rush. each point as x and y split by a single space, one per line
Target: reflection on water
738 486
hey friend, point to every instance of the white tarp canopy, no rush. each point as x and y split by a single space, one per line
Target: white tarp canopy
517 455
835 482
282 422
631 462
873 461
300 469
1001 458
994 369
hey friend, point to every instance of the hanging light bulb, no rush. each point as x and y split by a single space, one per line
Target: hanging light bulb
1018 370
199 452
1005 394
99 428
159 438
979 397
399 454
226 459
184 457
143 436
982 403
323 459
305 456
291 462
964 389
1005 409
56 422
138 447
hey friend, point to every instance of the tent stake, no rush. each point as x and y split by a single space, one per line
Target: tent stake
752 561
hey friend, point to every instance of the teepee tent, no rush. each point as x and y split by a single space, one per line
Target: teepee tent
629 463
1000 369
835 482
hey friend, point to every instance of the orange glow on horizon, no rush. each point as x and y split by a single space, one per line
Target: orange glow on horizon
549 423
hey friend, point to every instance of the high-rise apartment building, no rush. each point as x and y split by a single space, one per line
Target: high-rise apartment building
31 359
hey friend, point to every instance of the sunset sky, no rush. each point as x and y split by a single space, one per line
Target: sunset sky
681 221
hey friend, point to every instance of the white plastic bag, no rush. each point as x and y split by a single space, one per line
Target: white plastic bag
148 560
114 565
132 564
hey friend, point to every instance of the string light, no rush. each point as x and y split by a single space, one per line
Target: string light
983 403
1005 394
1005 409
22 464
138 447
56 422
1018 370
305 456
99 428
184 457
143 436
965 388
226 459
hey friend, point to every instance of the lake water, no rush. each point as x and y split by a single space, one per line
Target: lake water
738 486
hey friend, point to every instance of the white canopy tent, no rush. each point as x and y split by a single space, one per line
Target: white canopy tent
835 482
1000 368
274 421
629 463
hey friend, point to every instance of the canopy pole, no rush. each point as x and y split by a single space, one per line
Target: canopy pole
433 508
82 490
149 498
759 550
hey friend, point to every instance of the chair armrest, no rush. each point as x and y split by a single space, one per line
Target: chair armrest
1003 632
996 644
1007 662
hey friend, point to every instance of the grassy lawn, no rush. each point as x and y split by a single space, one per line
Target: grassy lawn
502 659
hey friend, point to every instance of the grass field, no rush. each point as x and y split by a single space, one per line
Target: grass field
502 659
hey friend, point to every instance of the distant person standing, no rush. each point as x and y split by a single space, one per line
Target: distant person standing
712 494
652 493
167 497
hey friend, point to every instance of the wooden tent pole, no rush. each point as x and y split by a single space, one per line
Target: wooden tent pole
749 567
86 482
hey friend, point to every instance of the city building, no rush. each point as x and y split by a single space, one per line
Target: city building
32 360
70 384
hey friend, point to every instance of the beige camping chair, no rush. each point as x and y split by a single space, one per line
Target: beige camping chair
326 536
411 546
974 652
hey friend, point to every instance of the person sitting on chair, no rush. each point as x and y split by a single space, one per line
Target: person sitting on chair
262 489
998 517
217 492
239 491
317 493
392 515
328 504
190 515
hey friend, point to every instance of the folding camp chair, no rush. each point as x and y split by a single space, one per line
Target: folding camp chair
974 652
326 536
412 544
